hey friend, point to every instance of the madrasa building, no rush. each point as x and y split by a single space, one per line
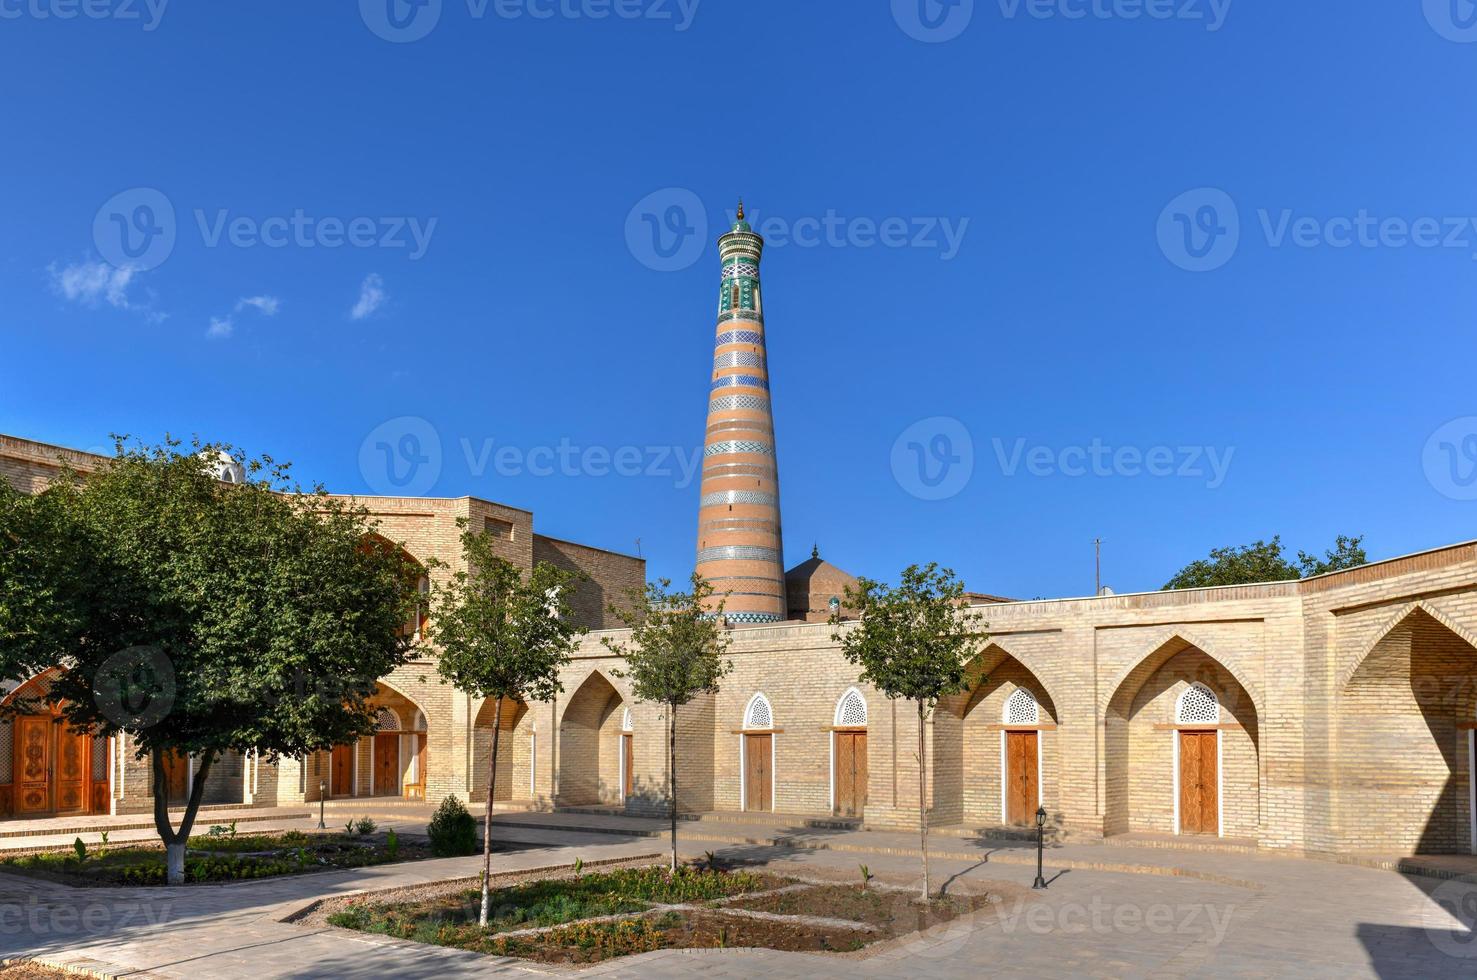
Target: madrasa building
1330 715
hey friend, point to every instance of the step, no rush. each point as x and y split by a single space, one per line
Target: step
237 813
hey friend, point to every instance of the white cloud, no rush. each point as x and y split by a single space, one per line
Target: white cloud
371 297
93 283
265 305
221 327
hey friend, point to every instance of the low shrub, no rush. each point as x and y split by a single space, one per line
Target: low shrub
452 830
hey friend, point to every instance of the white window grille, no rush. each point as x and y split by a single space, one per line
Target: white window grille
626 721
1021 708
851 710
759 716
420 721
387 721
1198 706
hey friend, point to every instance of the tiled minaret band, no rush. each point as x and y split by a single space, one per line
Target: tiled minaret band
739 547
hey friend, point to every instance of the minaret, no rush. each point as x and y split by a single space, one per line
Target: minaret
739 548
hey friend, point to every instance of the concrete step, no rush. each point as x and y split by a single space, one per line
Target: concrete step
203 819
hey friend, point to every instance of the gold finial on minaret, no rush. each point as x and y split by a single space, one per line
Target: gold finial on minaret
741 209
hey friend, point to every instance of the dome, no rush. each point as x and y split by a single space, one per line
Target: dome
224 466
812 584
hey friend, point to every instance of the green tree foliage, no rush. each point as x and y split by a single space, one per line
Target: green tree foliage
501 636
914 642
452 831
674 653
1263 561
41 550
203 617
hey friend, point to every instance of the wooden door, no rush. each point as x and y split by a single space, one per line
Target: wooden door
72 762
851 773
1199 793
32 765
343 771
177 778
628 765
1022 778
758 777
387 764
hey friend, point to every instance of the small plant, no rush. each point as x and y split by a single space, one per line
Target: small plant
866 876
364 826
349 827
392 844
81 850
102 847
579 866
452 830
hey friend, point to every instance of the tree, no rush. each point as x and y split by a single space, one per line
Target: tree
501 636
215 617
913 642
1263 561
674 653
40 546
1347 552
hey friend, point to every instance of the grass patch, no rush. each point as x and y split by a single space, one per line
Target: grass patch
452 920
216 858
594 917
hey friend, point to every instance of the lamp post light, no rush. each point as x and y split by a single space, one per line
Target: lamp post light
1040 881
322 796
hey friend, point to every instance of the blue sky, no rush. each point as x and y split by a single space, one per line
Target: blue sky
1229 252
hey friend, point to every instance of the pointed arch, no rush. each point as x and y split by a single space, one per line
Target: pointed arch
1393 623
1169 643
759 713
1155 717
851 709
589 735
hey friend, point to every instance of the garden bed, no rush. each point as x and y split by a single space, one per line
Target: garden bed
592 917
217 857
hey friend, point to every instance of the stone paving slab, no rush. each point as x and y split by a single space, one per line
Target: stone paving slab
1291 918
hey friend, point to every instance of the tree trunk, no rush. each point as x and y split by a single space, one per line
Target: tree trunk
923 800
175 841
672 762
497 730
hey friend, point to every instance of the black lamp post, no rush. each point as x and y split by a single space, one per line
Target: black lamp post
322 796
1040 881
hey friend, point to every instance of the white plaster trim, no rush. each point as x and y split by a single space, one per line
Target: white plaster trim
1004 781
533 764
833 762
1220 786
1178 735
1472 786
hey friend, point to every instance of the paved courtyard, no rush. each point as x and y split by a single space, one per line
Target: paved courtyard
1111 911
